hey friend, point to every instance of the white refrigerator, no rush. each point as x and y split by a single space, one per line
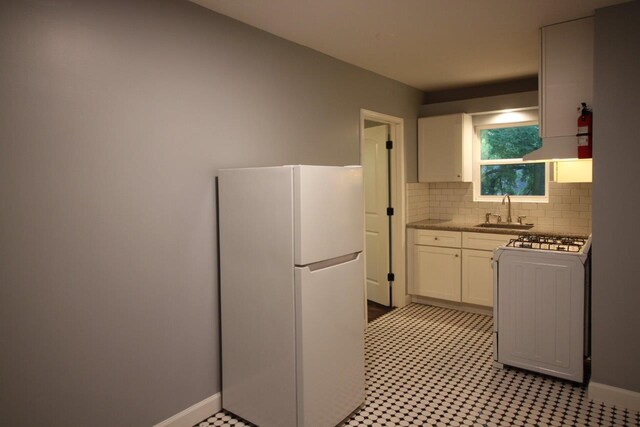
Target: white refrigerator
292 293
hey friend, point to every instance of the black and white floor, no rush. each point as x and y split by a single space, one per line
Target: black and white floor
433 366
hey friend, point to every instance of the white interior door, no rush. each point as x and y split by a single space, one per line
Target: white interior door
374 162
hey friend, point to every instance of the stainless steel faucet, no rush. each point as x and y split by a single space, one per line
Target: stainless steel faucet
506 196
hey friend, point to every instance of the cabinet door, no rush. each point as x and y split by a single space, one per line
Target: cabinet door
477 277
444 148
437 272
566 75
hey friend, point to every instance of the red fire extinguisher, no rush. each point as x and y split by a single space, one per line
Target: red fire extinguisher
585 132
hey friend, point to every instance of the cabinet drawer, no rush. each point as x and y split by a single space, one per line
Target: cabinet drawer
450 239
485 241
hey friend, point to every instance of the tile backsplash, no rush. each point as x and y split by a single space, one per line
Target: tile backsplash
569 205
417 201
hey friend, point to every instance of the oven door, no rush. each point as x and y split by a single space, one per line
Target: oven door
541 312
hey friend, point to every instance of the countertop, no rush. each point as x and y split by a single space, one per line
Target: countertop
438 224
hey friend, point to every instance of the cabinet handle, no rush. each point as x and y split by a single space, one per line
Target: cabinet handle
435 238
456 255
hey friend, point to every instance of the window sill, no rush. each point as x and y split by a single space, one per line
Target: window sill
514 199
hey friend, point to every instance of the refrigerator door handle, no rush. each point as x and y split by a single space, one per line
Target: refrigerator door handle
331 262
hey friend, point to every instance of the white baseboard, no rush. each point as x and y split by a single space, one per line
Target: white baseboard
609 395
195 413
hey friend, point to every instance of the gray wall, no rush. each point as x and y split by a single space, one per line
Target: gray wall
616 200
114 118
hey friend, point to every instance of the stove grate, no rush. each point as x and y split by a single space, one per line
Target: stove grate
548 242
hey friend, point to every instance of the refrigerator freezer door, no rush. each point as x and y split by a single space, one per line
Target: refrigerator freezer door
329 212
329 342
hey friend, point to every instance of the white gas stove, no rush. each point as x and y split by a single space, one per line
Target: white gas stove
542 304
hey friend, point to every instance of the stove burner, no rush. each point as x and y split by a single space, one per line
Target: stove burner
548 242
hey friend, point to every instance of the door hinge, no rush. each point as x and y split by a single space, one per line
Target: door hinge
391 277
389 145
389 211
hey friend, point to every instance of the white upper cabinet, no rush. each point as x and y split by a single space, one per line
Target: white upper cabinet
566 75
444 148
565 81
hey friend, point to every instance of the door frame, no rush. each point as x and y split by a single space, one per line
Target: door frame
398 183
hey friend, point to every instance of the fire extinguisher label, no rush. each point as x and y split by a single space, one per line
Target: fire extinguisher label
583 141
583 129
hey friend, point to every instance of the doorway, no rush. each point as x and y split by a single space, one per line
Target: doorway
382 158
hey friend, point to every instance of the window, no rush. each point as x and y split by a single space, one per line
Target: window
498 165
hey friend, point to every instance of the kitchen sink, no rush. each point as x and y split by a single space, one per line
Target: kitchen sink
508 226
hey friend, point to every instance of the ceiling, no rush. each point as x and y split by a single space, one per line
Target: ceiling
428 44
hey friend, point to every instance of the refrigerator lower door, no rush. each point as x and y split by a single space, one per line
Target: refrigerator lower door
329 342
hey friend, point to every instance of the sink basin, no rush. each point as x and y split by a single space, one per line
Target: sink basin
509 226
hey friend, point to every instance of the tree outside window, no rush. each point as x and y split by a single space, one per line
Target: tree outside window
499 166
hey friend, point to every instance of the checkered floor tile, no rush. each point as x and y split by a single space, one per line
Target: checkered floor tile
433 366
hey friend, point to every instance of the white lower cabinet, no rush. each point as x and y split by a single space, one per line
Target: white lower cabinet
477 277
453 265
437 272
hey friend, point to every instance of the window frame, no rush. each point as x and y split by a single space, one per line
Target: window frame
477 163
